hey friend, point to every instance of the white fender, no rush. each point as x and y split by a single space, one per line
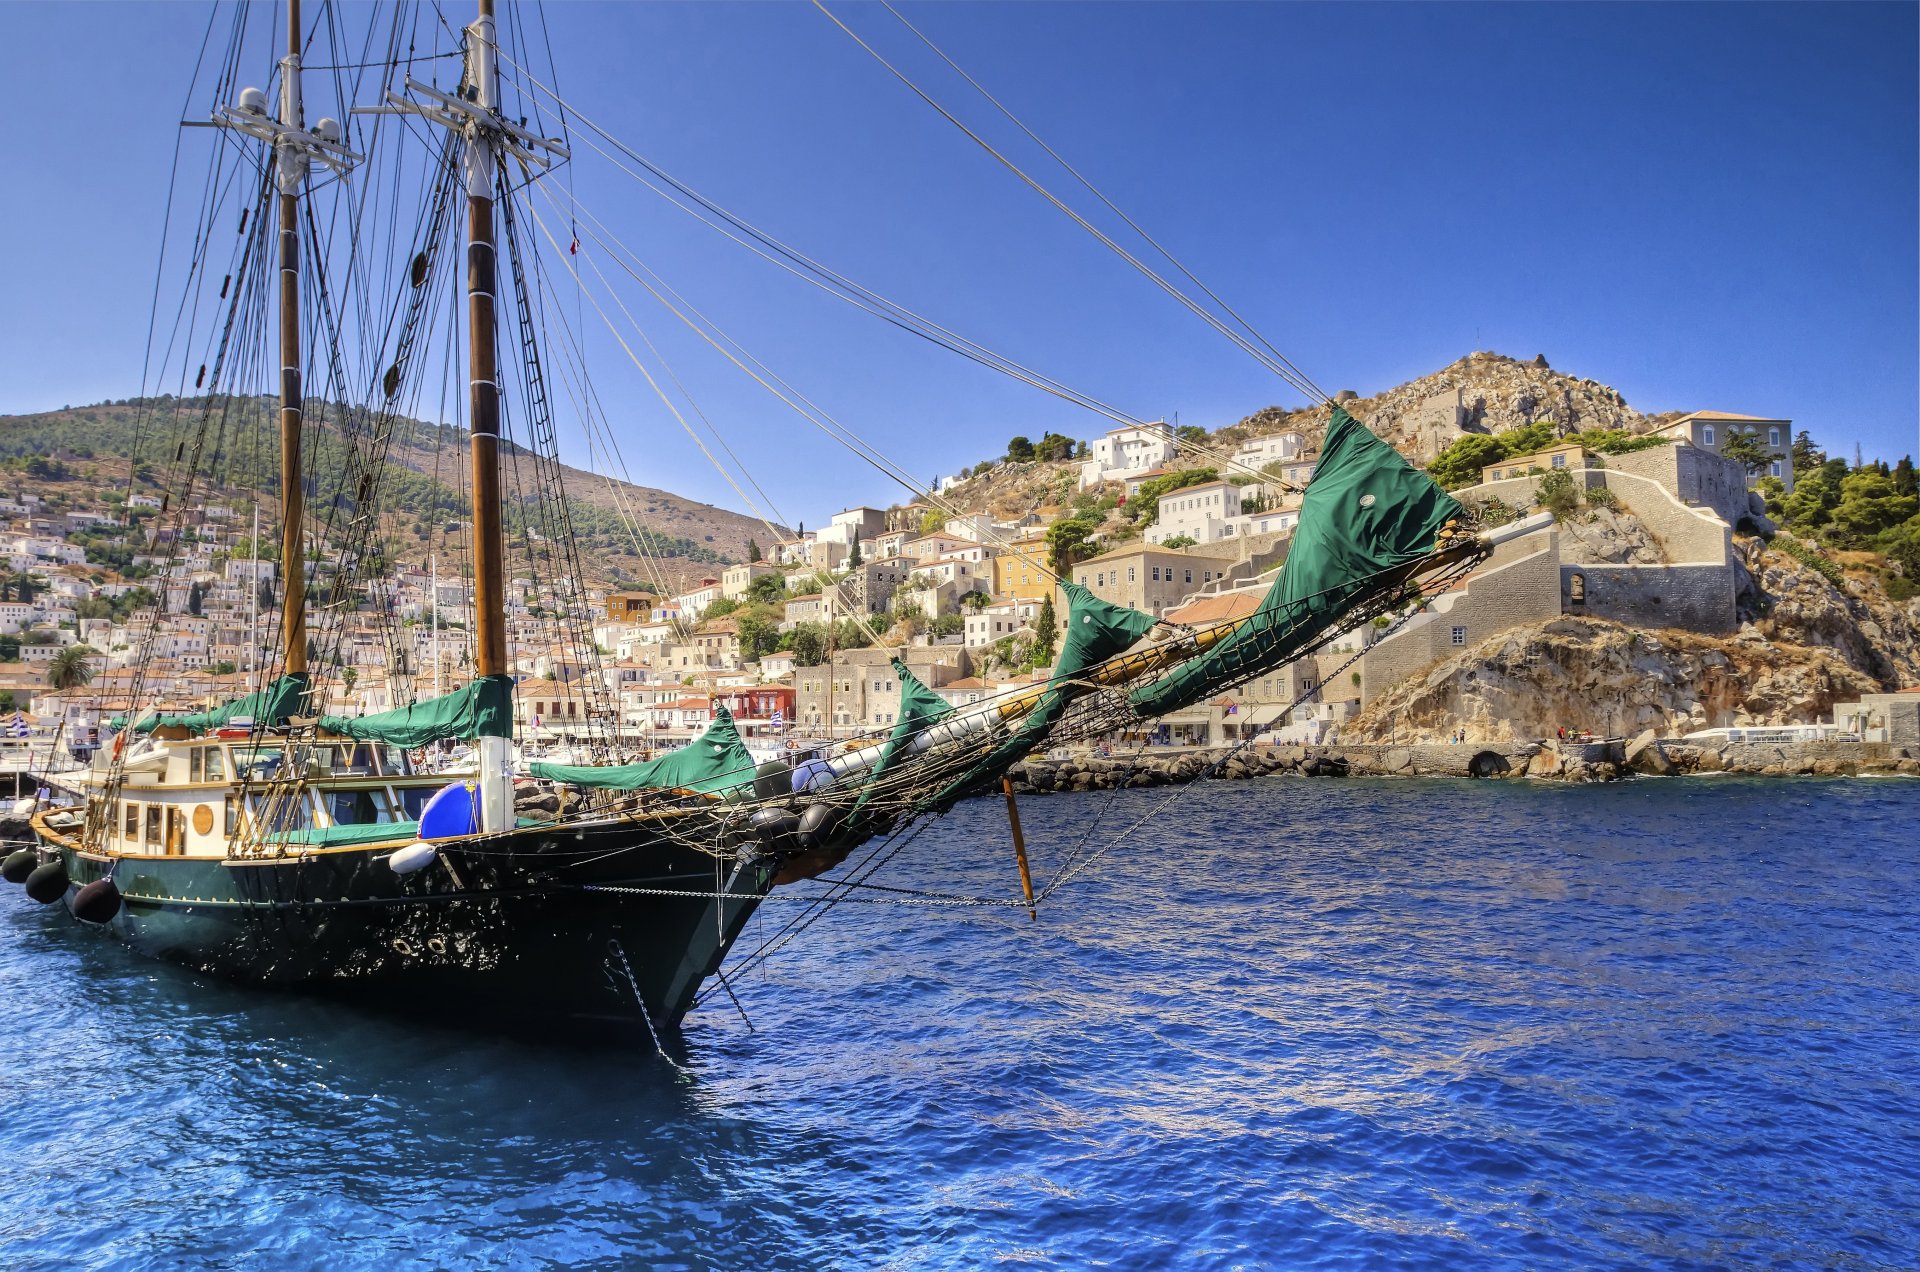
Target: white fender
413 857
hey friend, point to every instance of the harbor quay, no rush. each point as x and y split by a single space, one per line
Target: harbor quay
1549 760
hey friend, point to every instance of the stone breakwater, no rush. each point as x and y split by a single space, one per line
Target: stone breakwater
1550 761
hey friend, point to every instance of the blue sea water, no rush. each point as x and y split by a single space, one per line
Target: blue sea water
1291 1022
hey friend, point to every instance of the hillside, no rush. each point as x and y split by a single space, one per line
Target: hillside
1493 393
101 445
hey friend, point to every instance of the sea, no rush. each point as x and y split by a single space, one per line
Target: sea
1281 1023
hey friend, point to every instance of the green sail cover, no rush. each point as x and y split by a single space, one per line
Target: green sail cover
920 708
715 761
348 836
1096 631
1366 512
484 709
273 705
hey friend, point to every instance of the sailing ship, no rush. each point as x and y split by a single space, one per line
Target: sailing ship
270 842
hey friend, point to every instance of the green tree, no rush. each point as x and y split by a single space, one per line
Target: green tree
808 644
1044 624
1054 447
1067 543
1019 450
1461 463
1192 434
9 649
853 557
72 667
196 598
759 633
1904 480
1816 493
768 589
1806 456
1746 450
976 601
721 607
1869 504
753 551
949 625
1901 544
1557 493
1179 541
932 521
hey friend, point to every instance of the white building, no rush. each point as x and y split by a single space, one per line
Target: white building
1133 448
1273 448
1200 513
998 621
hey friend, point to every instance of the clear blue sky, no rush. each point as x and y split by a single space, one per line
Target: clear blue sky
1706 206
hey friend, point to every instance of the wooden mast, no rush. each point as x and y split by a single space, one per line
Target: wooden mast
489 568
489 547
291 164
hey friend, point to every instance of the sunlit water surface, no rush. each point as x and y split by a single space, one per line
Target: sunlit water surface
1293 1022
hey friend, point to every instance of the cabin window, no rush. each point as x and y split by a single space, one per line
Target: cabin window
356 761
131 827
358 808
153 824
414 798
230 816
279 813
214 767
193 764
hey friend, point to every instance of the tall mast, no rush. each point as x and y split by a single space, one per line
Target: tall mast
474 113
489 567
290 163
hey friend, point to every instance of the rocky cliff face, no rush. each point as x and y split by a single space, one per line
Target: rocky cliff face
1808 645
1590 674
1493 392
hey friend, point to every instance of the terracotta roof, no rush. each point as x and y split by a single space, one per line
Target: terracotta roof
1729 415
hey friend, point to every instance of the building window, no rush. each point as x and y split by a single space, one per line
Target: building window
1559 461
1459 635
1130 574
1774 468
1706 434
1189 576
1773 439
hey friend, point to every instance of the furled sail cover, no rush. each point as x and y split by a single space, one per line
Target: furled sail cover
483 709
920 708
1366 512
285 697
714 761
1096 631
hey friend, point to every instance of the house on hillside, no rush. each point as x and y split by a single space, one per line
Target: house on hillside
1127 450
1709 430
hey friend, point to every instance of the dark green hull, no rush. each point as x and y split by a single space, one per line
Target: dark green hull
529 928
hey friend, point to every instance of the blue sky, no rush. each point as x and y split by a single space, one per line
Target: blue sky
1706 206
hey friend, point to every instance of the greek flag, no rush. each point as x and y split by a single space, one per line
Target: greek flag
779 718
20 729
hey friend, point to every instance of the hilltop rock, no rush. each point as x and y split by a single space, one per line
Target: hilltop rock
1480 393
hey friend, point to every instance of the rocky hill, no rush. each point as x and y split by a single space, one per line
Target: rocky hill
1807 644
107 444
1480 393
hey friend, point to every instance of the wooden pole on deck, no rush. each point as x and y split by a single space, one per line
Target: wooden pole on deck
1019 845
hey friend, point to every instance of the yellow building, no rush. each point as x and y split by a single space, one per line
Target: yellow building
1020 571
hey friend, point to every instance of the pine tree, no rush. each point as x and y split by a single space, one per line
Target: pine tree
1044 624
853 558
753 551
